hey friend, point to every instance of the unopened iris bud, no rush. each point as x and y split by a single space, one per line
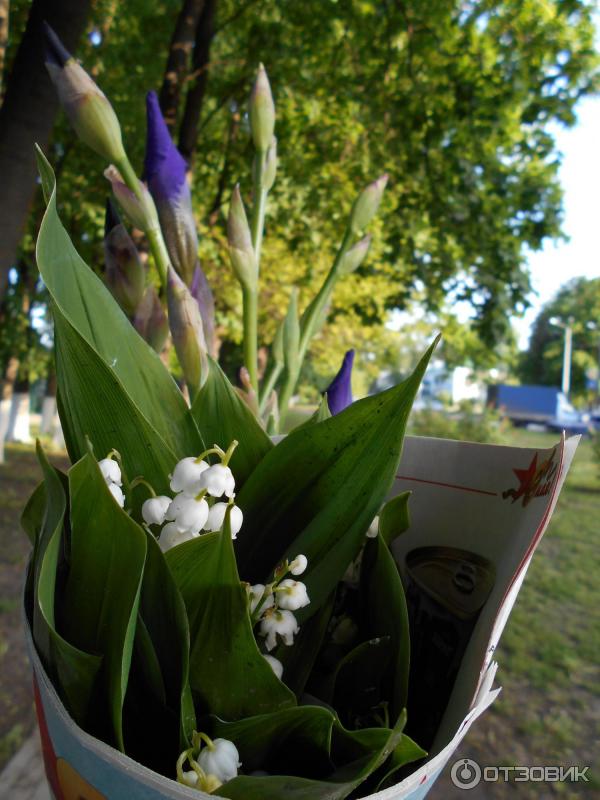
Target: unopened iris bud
241 252
202 294
339 393
262 111
140 210
353 258
125 275
150 320
366 204
87 108
166 173
187 332
221 759
154 510
270 166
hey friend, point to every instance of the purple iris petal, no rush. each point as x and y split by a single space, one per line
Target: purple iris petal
339 393
54 50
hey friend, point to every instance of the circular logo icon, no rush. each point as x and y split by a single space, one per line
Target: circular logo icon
465 773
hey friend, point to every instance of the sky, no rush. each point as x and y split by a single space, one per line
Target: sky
580 178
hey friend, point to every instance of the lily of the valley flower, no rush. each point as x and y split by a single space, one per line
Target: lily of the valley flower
278 623
256 594
275 665
188 513
298 565
117 493
154 510
186 476
339 393
218 480
166 173
87 108
171 536
111 472
216 518
292 595
221 759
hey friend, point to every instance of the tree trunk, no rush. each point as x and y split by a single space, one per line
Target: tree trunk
4 12
188 132
180 49
27 116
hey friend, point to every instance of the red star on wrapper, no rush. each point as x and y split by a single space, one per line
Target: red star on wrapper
526 476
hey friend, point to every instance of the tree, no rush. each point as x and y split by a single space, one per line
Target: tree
541 363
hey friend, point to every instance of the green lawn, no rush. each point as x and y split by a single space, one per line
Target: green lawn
549 710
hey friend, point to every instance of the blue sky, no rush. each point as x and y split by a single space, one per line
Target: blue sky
580 178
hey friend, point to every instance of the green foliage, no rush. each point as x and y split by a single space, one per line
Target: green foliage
467 424
541 363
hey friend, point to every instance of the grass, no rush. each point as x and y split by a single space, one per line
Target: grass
549 710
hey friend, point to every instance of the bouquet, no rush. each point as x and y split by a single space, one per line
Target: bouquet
215 601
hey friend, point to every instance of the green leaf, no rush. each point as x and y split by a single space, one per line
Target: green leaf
394 517
357 683
228 675
72 671
406 752
385 612
317 492
321 414
102 591
104 368
222 416
33 514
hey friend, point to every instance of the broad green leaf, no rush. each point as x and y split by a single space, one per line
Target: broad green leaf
102 590
222 416
72 671
406 752
357 685
338 785
228 675
102 355
385 613
318 490
321 414
33 513
394 517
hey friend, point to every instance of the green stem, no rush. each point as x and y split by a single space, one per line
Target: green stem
157 244
259 206
269 382
250 301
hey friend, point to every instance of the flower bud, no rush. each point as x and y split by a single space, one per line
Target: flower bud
154 509
171 536
125 275
218 480
275 665
366 204
276 622
150 320
241 252
220 759
186 476
216 518
292 595
353 258
270 166
111 472
87 108
140 210
187 332
339 393
262 111
117 493
298 565
202 294
188 514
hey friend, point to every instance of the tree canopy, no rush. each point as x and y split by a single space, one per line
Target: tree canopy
455 100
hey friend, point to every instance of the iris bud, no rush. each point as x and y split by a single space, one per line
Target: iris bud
150 320
125 275
353 258
241 252
140 210
187 332
262 111
366 204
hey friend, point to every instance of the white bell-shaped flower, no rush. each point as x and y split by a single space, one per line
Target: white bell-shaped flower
279 622
171 536
221 760
216 518
187 513
298 565
186 476
117 493
189 778
275 665
111 472
218 480
256 593
292 595
154 509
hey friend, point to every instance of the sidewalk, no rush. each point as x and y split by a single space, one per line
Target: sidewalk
23 777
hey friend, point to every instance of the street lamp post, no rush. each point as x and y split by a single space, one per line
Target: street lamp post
567 351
